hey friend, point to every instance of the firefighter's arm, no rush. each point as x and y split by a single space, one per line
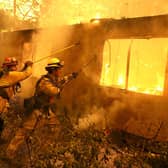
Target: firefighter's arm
64 80
48 88
14 77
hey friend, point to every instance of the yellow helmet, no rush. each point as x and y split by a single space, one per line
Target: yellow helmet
54 63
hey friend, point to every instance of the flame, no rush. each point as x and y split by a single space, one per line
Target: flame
77 11
120 80
159 88
146 71
26 10
98 15
133 88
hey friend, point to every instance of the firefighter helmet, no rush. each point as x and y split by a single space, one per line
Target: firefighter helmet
54 63
9 61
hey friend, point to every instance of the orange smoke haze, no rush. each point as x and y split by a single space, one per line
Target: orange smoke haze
77 11
147 57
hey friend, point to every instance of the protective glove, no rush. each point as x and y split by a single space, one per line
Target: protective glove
18 87
28 63
75 74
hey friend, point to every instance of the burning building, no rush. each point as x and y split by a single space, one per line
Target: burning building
123 81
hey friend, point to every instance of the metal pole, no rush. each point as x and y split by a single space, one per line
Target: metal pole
61 50
128 65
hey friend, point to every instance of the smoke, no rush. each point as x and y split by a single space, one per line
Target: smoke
115 113
95 118
77 11
104 117
45 43
54 37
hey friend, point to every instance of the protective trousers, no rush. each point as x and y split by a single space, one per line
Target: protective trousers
4 107
34 121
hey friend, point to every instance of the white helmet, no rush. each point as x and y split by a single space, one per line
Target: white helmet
54 63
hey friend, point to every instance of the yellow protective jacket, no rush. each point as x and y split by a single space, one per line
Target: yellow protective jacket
9 80
4 105
48 89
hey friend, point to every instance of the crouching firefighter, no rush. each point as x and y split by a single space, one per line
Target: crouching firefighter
9 83
47 91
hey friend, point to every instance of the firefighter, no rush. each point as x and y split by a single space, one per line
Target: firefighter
47 91
9 83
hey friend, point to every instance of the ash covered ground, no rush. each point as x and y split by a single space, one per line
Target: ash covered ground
71 147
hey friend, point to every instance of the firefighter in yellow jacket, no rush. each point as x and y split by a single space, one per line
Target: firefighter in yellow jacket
47 91
9 82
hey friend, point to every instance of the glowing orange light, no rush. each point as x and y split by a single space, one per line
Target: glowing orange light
120 80
23 10
133 88
146 71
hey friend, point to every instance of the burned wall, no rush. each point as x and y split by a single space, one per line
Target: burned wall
11 43
137 113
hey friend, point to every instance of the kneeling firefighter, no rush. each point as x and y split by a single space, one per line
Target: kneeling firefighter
47 91
9 83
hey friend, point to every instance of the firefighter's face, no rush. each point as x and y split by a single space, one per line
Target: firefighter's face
57 72
13 68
